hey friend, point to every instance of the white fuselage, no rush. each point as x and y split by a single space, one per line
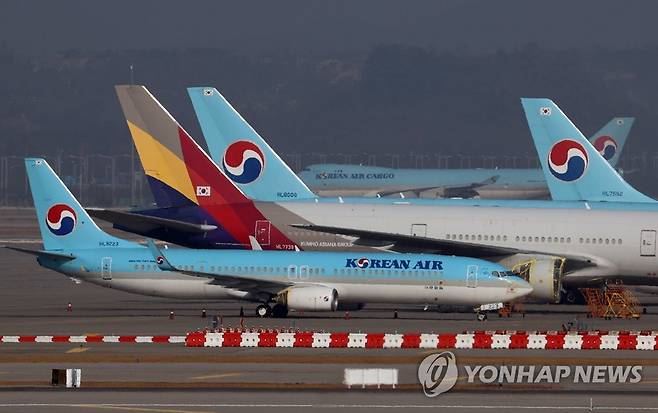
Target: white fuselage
619 243
191 288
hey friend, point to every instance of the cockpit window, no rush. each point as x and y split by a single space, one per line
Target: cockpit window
503 273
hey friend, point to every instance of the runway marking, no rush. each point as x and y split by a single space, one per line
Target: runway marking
216 376
158 407
77 350
133 409
19 241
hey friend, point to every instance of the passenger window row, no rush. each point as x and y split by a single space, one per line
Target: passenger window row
553 240
476 237
385 272
606 241
295 269
252 269
527 238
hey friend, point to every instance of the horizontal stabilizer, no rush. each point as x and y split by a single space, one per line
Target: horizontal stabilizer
46 254
145 223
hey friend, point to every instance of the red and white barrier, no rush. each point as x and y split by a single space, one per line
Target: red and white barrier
507 340
549 340
93 339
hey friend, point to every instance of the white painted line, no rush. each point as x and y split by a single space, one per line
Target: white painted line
326 406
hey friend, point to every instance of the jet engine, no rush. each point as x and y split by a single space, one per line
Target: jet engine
543 272
309 298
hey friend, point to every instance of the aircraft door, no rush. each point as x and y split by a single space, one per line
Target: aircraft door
472 276
263 228
419 230
648 243
106 268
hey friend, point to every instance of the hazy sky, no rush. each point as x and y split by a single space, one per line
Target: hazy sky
44 26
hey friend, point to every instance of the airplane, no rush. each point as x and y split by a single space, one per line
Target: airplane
306 281
550 246
234 144
496 183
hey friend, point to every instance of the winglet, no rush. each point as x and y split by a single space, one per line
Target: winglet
255 246
40 253
160 259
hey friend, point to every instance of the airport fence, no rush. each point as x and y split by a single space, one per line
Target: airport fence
119 181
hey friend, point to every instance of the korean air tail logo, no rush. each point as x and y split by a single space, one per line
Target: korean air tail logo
61 219
243 162
362 263
606 146
567 160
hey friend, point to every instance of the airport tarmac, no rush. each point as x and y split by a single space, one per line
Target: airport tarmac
173 378
188 401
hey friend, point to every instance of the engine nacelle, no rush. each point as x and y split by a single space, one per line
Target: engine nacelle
309 298
543 272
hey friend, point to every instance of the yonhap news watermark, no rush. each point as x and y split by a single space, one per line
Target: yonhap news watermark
438 373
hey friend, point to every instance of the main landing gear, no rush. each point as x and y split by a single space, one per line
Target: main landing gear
572 296
278 311
263 310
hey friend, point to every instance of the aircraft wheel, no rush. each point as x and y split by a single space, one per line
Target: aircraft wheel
279 311
572 296
482 316
263 310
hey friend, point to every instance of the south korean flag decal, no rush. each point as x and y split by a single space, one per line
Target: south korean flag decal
545 111
202 191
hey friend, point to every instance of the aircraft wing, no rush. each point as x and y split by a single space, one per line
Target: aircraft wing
462 191
414 243
145 223
408 243
41 253
252 285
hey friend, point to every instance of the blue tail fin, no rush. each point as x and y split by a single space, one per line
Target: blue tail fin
240 151
64 224
610 140
573 168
